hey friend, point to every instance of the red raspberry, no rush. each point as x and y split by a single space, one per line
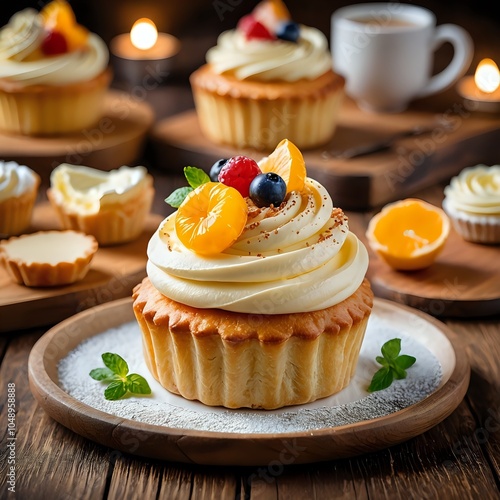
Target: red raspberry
239 172
54 43
253 29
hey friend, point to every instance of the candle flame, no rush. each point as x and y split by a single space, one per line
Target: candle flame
487 76
143 34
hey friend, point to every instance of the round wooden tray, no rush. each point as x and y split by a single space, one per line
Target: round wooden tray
116 140
231 448
463 282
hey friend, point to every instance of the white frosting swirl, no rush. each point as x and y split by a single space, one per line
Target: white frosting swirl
85 190
267 60
299 258
72 67
21 36
476 190
15 179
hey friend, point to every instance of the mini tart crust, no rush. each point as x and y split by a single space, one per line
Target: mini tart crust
43 274
114 224
16 212
244 360
52 109
249 113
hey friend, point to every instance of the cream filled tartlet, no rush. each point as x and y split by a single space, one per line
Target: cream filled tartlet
53 73
268 79
472 201
18 192
112 206
256 294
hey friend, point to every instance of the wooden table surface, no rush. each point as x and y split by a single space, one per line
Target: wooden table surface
457 459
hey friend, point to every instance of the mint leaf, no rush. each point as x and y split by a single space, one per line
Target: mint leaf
137 384
102 374
115 363
393 365
116 372
381 380
404 361
196 176
178 196
115 390
391 349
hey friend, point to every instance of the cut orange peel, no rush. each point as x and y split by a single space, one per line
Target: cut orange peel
408 234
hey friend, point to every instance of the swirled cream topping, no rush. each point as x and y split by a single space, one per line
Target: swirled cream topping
86 190
296 258
22 61
476 190
15 179
267 60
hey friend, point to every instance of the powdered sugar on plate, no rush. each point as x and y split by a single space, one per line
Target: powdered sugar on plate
353 404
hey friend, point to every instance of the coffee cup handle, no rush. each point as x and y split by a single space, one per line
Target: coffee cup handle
463 48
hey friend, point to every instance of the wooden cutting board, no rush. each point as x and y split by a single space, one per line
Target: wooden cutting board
459 137
114 271
464 281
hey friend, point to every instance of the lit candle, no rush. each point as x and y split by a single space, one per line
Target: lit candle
144 53
482 90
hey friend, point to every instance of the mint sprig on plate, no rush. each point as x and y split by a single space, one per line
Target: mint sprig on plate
394 365
195 177
121 382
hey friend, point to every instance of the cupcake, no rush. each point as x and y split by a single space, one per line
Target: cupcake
112 206
472 201
251 301
268 79
53 73
48 258
18 191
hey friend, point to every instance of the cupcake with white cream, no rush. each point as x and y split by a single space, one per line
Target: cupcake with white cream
18 191
472 201
268 79
112 206
53 73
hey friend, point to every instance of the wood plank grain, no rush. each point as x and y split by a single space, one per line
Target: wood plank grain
481 341
51 462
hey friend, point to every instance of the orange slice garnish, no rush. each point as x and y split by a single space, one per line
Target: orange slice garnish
286 161
211 218
409 234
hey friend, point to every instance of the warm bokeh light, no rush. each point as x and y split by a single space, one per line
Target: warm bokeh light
487 76
143 34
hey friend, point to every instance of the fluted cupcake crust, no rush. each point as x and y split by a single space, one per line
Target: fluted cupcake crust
261 114
258 361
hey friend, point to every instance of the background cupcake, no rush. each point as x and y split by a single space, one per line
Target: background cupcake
268 79
472 201
53 72
112 206
18 191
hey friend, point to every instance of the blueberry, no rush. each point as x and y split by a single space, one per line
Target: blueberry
267 189
288 31
216 167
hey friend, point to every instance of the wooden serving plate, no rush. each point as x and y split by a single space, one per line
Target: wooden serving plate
464 281
114 271
367 181
242 448
116 139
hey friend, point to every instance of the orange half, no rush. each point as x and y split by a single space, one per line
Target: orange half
408 234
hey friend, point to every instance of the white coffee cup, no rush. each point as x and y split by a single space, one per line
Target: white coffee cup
385 52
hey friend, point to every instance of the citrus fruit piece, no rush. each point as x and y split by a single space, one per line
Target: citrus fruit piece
286 161
408 234
211 218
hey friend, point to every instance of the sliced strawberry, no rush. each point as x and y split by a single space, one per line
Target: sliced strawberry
54 44
253 29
